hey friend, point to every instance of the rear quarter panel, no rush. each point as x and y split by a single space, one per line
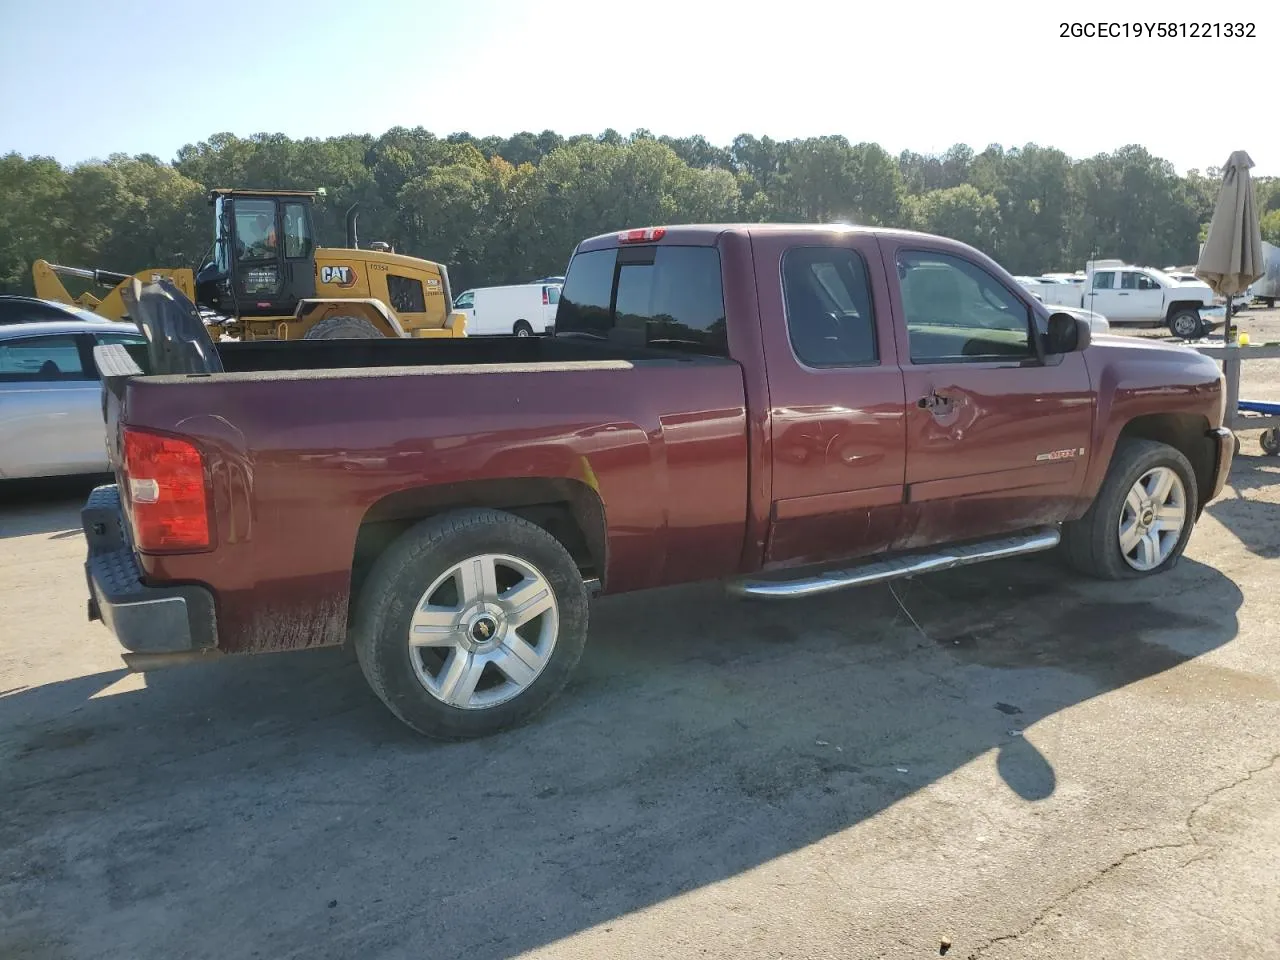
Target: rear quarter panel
296 462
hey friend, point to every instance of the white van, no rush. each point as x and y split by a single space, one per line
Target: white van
523 310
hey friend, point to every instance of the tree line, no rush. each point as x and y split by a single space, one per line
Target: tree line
507 210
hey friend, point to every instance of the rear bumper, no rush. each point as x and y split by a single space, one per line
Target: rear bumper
1225 450
171 619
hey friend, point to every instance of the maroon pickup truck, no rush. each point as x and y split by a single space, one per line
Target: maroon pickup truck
790 409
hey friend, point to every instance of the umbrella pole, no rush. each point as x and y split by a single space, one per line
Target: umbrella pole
1231 371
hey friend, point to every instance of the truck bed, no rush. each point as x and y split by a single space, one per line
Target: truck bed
316 451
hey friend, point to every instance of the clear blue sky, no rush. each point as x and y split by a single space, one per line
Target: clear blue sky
85 78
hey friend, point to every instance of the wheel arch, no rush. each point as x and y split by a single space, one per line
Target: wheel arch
1186 432
311 312
1179 305
569 510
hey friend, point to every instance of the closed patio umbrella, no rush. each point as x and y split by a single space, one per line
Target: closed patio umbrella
1231 257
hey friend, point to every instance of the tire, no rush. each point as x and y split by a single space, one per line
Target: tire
522 329
486 691
1269 301
1270 441
343 328
1187 324
1092 545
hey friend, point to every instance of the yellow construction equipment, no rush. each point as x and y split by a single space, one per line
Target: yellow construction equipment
269 281
49 287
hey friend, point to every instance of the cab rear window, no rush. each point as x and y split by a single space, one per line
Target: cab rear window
666 297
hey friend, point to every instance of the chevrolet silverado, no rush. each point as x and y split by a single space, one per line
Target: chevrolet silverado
789 409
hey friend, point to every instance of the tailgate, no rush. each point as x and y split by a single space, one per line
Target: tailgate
118 366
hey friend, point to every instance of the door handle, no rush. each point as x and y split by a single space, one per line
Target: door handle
1123 294
934 402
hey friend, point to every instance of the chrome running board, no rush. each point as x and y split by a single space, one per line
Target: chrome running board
878 571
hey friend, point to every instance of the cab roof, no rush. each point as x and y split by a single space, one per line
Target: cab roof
236 192
708 233
44 328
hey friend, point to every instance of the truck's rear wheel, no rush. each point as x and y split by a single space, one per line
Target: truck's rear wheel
470 623
343 328
522 329
1142 517
1187 324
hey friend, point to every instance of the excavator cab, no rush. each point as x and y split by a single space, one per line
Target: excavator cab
263 255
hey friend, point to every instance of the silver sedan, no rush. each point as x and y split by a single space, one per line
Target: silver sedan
51 396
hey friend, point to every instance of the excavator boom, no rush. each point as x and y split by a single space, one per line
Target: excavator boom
49 286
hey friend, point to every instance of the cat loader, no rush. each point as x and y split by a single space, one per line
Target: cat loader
268 280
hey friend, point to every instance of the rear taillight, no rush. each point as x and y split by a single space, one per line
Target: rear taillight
168 509
546 297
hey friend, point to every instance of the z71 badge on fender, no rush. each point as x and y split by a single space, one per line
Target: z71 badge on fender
1060 454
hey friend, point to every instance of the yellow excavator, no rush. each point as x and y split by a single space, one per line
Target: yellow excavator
269 281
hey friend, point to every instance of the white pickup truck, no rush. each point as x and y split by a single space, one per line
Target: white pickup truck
1124 294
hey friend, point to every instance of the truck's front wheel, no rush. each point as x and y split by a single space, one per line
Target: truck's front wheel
1142 517
470 623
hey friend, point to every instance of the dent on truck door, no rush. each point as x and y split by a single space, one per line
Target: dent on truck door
996 439
836 398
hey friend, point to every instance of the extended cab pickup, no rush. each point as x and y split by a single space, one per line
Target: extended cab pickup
790 409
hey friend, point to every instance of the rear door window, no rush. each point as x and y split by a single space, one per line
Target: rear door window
828 300
667 297
35 359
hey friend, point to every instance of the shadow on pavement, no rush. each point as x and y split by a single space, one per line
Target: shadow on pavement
272 803
47 505
1254 520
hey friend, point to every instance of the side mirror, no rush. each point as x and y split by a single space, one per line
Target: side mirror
1067 334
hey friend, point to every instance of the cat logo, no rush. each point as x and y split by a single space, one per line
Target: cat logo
342 276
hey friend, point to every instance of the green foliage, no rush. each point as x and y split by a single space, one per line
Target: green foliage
1270 223
509 209
961 213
